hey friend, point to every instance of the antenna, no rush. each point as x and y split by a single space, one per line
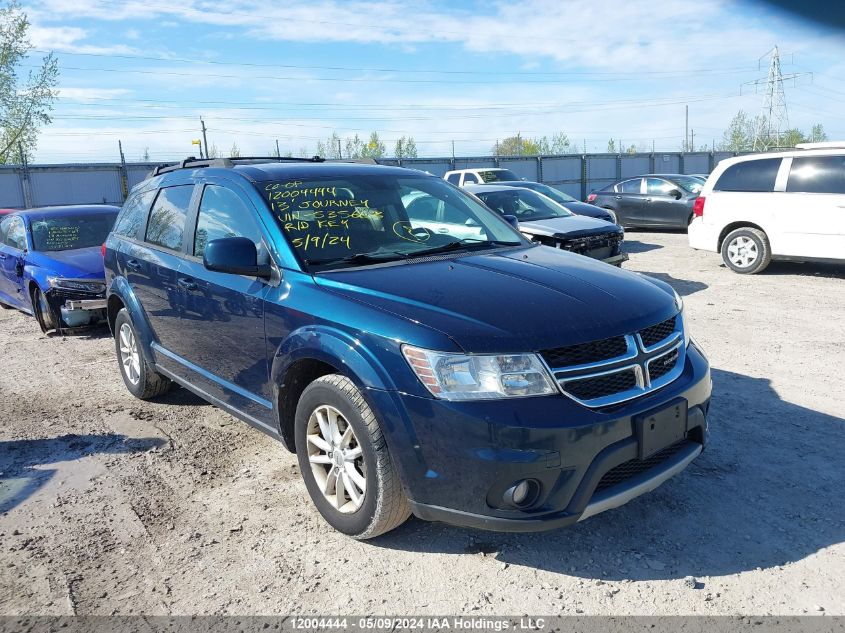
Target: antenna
773 119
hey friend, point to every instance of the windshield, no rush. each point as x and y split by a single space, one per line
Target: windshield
554 194
689 184
361 219
525 204
497 175
67 233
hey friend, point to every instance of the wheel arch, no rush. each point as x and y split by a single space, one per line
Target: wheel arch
733 226
120 296
312 352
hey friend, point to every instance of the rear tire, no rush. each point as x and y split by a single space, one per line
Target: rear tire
746 251
140 379
47 319
345 462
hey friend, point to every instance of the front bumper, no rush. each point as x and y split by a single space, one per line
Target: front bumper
76 309
456 459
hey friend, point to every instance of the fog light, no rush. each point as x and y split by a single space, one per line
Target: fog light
523 493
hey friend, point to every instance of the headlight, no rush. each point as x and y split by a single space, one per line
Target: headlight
479 377
83 286
679 304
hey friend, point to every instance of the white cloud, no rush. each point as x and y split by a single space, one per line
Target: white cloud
70 39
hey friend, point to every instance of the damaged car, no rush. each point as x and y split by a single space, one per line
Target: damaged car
51 264
544 221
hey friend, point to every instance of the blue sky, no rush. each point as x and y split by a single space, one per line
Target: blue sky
144 71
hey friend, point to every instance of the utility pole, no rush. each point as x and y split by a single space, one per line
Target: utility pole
278 151
686 129
692 140
497 147
652 146
518 144
453 150
339 153
585 146
204 140
773 119
25 185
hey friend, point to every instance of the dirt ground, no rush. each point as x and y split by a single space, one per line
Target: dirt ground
113 505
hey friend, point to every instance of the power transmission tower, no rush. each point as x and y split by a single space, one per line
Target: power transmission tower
773 119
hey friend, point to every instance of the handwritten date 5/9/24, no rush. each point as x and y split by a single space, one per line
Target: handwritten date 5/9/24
320 241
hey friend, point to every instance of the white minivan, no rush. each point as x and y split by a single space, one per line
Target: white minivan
783 205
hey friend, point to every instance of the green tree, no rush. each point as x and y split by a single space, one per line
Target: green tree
405 147
145 157
791 138
518 146
817 133
354 146
25 103
739 136
374 147
559 144
632 149
611 146
330 148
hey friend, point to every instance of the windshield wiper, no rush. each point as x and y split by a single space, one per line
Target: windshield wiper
461 244
357 258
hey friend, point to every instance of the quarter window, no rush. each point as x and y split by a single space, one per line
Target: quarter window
750 175
817 174
167 219
223 214
133 214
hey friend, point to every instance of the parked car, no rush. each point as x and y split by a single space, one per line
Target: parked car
51 264
481 381
650 201
463 177
544 221
785 205
565 200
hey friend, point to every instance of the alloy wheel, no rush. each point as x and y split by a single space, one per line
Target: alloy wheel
130 360
336 459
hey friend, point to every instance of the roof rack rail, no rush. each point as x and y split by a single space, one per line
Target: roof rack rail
822 145
193 163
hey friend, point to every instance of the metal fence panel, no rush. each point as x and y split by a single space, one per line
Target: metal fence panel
137 173
562 170
527 168
474 163
697 163
602 166
11 191
667 163
635 165
75 186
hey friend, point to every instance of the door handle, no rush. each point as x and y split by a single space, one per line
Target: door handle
187 283
2 255
617 197
133 264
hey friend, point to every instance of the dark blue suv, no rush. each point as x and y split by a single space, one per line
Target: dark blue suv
415 351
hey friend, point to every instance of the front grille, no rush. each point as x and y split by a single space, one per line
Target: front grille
656 333
601 386
584 245
624 472
584 353
662 365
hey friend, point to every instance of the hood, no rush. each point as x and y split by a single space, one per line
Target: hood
573 226
520 300
78 263
583 208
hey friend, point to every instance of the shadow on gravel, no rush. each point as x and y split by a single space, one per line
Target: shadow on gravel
683 287
809 269
20 460
765 493
636 246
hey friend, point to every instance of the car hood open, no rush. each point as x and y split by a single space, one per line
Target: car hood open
525 299
573 226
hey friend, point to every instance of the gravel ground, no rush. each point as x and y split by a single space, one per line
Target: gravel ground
113 505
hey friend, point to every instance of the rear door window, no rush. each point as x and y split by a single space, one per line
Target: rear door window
817 174
658 187
751 175
455 179
167 218
629 186
470 179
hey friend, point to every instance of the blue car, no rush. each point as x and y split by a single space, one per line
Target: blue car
449 369
51 264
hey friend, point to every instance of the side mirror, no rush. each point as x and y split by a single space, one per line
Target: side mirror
236 256
512 220
675 193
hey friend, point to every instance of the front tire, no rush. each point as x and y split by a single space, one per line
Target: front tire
746 251
345 462
47 319
140 379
